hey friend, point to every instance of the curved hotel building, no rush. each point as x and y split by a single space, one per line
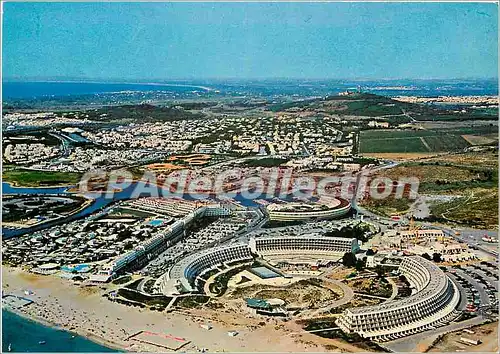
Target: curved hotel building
333 208
307 248
311 248
432 305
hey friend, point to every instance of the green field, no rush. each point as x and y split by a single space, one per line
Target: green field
372 108
28 178
404 141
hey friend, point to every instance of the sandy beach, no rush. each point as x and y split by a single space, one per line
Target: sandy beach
85 311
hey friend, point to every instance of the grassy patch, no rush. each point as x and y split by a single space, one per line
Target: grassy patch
29 178
371 286
192 301
479 209
372 108
444 177
387 206
353 338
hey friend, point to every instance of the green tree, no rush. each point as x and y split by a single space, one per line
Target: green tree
380 271
360 265
349 259
426 256
436 257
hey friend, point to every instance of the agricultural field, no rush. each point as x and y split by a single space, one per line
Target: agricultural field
424 141
409 141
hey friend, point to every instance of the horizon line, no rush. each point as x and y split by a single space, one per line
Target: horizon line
153 81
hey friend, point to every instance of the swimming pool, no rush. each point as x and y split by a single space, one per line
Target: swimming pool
156 222
79 268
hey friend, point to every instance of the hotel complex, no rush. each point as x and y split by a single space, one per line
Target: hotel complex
152 247
333 208
310 249
432 305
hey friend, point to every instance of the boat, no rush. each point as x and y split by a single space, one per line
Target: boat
42 342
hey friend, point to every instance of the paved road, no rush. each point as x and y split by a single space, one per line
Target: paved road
420 342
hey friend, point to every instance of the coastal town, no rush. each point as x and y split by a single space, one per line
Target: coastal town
250 178
269 258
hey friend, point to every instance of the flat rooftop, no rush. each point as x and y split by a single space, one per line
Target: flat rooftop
15 302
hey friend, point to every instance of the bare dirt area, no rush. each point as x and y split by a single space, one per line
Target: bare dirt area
340 274
487 334
304 293
473 158
429 173
478 140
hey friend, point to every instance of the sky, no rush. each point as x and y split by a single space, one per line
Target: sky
147 41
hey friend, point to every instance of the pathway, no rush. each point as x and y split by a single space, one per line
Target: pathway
346 298
394 289
425 144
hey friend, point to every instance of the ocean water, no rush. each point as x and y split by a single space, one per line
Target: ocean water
29 90
24 335
97 91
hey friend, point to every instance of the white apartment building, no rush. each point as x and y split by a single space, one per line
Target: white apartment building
432 305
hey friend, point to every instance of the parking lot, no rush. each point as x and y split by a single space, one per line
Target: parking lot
479 284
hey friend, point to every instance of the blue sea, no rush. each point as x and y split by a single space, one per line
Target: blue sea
30 90
25 335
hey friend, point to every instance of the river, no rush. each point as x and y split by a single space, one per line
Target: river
99 202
